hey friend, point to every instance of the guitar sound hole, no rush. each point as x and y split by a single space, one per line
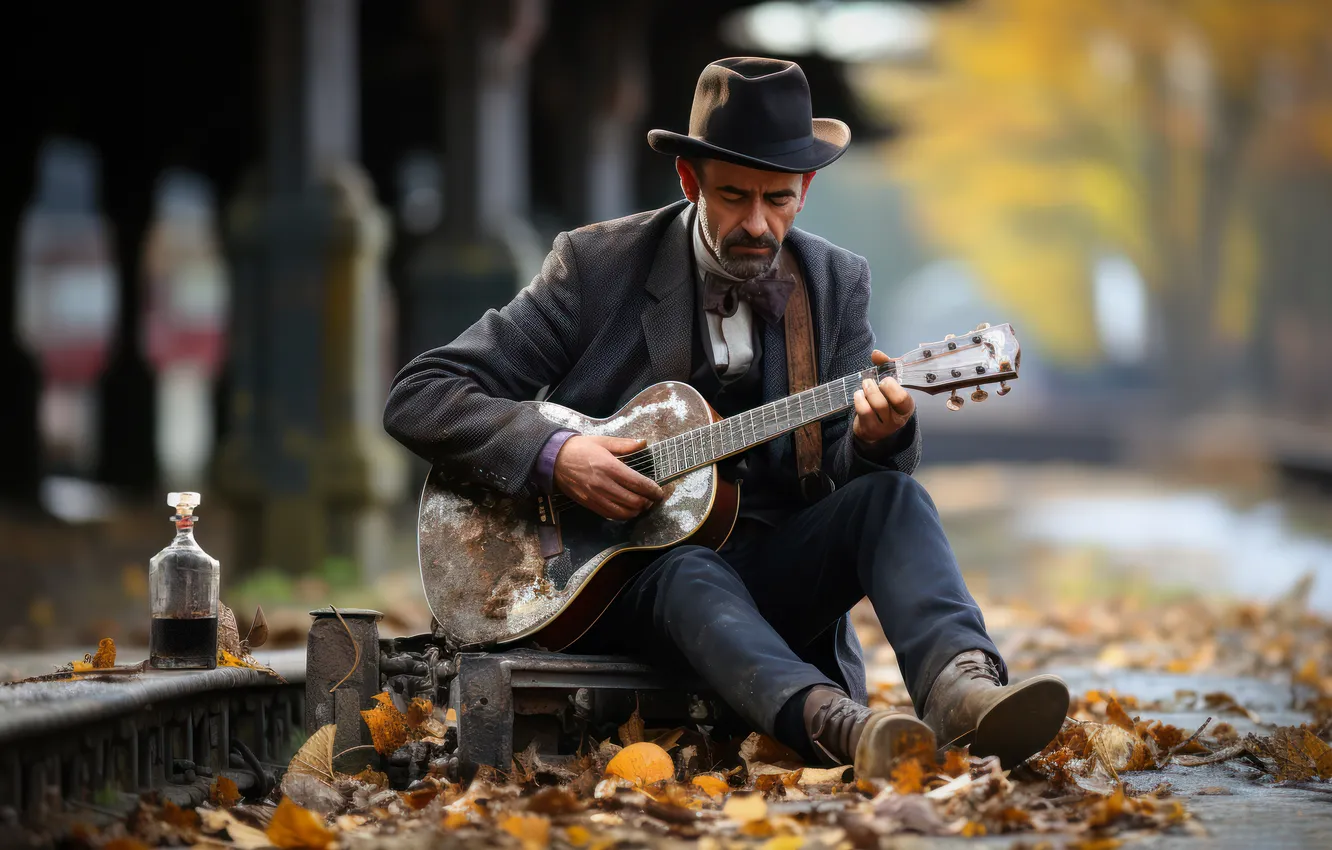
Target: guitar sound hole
485 701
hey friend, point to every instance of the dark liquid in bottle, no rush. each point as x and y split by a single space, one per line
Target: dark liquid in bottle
188 643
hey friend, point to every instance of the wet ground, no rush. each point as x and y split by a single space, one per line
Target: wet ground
1038 544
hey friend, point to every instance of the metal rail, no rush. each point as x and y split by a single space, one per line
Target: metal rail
92 740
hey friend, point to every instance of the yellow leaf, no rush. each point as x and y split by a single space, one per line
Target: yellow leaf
81 666
388 728
715 786
642 764
224 792
532 830
909 777
973 829
784 842
577 835
106 654
295 828
745 808
455 820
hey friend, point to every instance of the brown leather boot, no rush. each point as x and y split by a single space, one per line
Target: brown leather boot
968 705
873 740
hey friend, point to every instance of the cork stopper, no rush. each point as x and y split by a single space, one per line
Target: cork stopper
184 503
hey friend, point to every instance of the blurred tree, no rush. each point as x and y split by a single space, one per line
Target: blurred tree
1044 134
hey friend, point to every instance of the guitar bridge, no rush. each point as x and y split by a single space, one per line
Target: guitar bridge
548 528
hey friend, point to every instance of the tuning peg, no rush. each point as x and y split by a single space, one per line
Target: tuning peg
979 395
1004 388
954 401
982 326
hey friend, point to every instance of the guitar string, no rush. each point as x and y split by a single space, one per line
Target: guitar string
643 459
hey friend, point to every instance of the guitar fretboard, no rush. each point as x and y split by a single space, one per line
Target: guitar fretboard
708 444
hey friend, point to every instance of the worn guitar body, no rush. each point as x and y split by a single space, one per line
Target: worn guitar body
482 568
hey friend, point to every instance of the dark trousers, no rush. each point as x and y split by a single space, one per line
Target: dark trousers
743 618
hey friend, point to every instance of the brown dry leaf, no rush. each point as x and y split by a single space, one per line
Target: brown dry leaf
224 792
294 828
182 819
632 730
668 740
1298 753
388 727
1115 713
763 755
106 654
713 786
642 764
228 634
420 798
909 777
532 830
315 756
745 808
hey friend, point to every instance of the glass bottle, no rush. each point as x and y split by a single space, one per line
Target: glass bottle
182 583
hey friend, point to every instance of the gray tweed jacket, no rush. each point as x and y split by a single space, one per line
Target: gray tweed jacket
611 313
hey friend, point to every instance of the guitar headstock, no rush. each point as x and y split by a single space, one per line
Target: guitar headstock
986 355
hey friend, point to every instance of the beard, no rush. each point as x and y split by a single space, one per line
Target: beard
742 266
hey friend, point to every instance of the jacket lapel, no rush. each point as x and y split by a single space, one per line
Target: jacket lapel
668 319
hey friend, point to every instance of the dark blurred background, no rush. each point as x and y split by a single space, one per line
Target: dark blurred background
225 226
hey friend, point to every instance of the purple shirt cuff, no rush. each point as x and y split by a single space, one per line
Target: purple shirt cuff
544 472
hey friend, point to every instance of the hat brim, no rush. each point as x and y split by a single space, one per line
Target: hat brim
831 139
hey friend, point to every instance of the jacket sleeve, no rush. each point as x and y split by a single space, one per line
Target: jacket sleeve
843 458
458 406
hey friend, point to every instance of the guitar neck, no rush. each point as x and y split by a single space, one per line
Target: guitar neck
703 446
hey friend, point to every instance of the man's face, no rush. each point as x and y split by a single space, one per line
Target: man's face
745 213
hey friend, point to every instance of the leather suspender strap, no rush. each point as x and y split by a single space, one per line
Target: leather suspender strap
802 373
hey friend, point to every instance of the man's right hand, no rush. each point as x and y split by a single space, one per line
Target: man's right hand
588 471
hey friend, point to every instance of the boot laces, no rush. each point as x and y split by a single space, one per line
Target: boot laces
981 668
837 717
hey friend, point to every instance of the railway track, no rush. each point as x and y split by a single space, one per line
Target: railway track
96 744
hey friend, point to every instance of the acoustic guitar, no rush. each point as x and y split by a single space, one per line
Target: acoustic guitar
501 570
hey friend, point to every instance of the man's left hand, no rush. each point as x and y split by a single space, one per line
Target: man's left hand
882 408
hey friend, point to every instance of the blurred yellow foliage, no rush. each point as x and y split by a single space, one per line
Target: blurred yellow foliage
1044 134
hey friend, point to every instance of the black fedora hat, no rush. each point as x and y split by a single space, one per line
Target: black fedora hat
756 112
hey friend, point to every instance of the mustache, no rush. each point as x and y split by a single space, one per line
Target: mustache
741 239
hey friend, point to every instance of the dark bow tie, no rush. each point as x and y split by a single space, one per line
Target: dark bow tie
766 295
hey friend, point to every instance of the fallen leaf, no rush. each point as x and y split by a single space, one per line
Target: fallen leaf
224 792
714 786
241 835
956 763
257 636
745 808
642 764
825 776
419 798
577 835
455 820
370 776
908 777
668 740
532 830
294 828
1114 712
315 756
106 654
388 727
632 730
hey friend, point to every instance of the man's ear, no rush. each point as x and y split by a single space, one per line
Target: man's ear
688 179
805 180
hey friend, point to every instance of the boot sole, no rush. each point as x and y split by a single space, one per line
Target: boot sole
887 741
1021 725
